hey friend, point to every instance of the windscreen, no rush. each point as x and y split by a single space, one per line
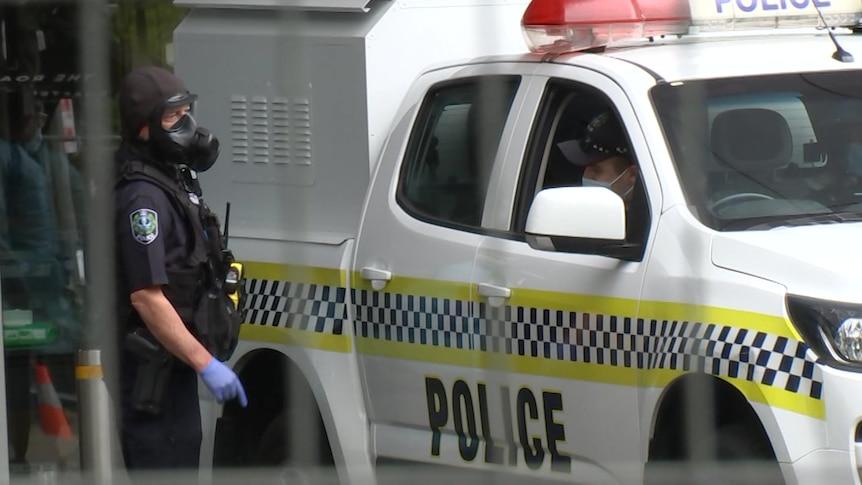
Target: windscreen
760 152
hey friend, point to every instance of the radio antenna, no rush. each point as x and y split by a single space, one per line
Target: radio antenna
840 54
226 225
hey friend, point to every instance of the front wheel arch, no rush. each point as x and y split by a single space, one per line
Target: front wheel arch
703 419
272 382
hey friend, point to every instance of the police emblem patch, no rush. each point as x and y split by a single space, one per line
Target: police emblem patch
145 225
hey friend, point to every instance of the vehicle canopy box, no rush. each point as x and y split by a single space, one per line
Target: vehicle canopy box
625 245
303 97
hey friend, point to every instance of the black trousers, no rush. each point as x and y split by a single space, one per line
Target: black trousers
169 440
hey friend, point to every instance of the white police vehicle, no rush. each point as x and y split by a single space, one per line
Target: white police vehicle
426 265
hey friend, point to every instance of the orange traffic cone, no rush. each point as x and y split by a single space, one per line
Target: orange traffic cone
51 414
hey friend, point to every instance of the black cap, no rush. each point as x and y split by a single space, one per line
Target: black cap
147 90
604 138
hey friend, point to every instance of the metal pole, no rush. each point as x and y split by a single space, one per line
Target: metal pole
95 414
97 359
4 429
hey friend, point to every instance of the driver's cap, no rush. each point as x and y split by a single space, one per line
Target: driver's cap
604 138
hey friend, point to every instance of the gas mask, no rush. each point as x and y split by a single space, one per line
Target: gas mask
186 143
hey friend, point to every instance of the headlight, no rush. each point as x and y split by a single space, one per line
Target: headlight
849 340
832 329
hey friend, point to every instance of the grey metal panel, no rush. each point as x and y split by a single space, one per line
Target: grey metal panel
293 129
308 5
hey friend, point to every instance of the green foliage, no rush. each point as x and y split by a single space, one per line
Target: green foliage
143 31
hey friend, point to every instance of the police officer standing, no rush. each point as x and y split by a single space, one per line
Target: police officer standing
168 255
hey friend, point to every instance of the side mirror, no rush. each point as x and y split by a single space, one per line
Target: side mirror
589 220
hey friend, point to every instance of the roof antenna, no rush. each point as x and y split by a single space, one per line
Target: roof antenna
840 54
224 238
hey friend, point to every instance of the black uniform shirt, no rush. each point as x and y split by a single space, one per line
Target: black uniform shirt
151 234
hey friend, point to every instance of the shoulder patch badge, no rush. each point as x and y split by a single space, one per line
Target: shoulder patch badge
145 225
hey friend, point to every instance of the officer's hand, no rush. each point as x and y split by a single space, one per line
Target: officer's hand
223 382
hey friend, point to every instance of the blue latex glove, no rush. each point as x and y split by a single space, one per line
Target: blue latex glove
223 382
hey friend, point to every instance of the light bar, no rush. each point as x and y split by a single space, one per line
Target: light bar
575 25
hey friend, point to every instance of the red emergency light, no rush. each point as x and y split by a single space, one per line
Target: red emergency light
574 25
556 26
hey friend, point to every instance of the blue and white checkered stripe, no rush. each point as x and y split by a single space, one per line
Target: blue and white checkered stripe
552 334
602 339
412 319
561 335
736 352
301 306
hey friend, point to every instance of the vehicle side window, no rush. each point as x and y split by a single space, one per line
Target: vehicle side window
452 149
579 140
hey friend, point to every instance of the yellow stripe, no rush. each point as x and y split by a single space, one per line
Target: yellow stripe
497 361
654 310
296 273
770 395
539 299
88 372
292 336
581 371
657 310
780 398
425 288
559 301
572 302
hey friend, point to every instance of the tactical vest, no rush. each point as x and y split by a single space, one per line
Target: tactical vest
195 287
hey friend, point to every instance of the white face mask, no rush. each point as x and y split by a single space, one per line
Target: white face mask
588 182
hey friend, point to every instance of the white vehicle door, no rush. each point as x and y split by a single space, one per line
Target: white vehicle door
560 322
414 257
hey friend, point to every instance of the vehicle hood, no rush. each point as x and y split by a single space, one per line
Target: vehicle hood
820 261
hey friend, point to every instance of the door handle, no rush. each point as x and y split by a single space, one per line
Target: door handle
489 290
377 277
496 295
